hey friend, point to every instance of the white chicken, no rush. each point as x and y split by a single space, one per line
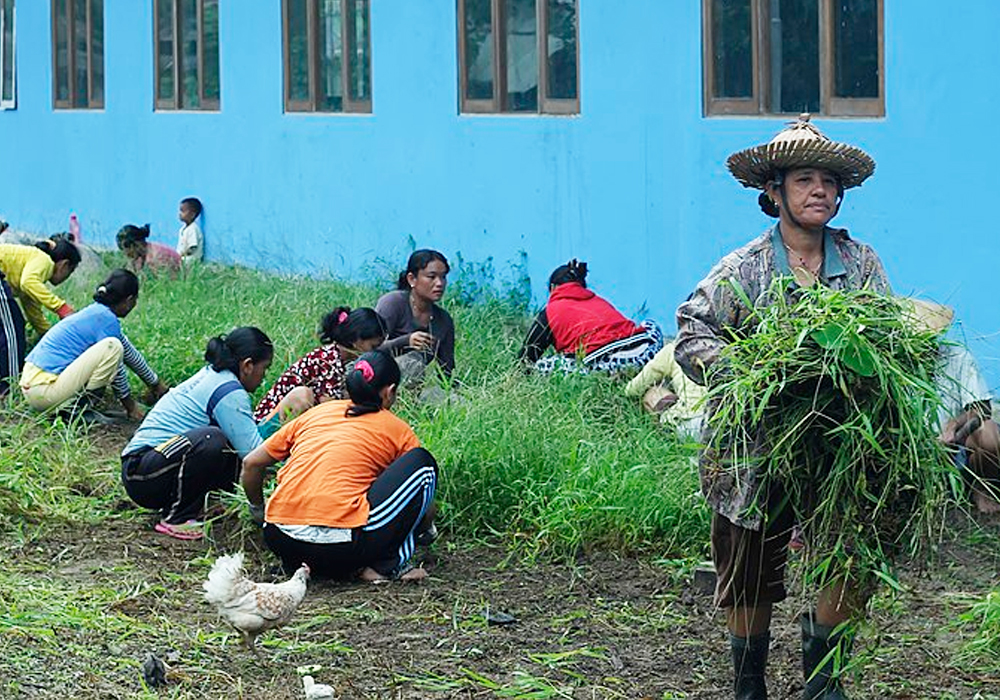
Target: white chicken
317 691
252 608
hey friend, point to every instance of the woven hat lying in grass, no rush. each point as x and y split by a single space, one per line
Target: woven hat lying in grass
833 398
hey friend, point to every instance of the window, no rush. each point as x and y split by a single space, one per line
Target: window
7 73
187 54
792 56
499 42
78 53
327 48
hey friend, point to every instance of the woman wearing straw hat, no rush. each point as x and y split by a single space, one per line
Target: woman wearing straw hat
803 176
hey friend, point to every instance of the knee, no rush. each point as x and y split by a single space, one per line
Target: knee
986 439
424 457
112 348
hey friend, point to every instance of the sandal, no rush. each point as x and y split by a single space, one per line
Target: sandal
190 530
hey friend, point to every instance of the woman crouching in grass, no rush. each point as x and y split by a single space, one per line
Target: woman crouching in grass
192 441
320 374
356 487
86 352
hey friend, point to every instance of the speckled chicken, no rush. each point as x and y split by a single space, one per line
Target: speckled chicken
252 608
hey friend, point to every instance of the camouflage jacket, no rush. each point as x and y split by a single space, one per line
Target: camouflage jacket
730 488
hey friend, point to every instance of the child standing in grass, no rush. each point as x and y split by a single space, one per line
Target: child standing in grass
86 351
356 486
190 242
319 375
144 255
24 270
193 439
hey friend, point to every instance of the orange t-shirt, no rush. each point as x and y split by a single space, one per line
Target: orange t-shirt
332 460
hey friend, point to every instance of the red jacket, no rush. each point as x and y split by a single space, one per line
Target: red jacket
581 319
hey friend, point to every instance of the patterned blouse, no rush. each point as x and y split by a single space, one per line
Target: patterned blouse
702 323
322 370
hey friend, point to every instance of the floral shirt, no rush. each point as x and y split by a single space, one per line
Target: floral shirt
322 370
714 310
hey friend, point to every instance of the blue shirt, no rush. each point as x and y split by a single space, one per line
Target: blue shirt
72 336
75 334
185 407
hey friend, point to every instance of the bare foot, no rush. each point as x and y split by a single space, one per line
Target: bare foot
369 575
415 574
985 504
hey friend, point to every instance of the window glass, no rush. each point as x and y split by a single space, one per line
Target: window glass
522 55
360 41
794 26
190 97
561 65
165 49
80 56
298 50
62 50
330 98
96 41
478 50
210 50
855 46
732 49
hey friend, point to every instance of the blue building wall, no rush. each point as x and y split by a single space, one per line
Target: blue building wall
635 185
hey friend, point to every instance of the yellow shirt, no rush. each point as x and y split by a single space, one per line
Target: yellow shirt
27 269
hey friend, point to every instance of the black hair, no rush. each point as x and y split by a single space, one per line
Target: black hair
228 351
194 204
373 371
419 259
119 286
346 327
573 271
60 248
130 234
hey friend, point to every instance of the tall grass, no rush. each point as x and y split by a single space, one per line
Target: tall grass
546 465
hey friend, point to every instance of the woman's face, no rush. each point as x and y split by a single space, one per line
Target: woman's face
252 373
365 344
810 196
61 271
429 284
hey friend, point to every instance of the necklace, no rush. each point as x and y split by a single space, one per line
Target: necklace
804 274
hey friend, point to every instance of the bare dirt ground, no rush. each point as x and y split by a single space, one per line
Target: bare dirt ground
602 627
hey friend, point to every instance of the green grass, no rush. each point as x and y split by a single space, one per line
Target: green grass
547 466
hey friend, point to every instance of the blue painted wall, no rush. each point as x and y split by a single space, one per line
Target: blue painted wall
636 184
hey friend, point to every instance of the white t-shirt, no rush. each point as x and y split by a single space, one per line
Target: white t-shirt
189 242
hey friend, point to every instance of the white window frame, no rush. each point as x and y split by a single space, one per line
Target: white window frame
8 101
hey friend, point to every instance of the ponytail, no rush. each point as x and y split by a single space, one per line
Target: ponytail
119 286
346 327
59 248
226 352
373 371
573 271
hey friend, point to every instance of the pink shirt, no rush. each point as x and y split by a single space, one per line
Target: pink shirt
159 258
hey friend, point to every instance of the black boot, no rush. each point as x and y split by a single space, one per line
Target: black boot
819 665
749 662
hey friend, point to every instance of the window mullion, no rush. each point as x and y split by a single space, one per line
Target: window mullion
826 66
347 54
70 54
500 51
542 24
200 51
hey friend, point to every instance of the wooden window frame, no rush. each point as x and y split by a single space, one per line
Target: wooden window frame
758 103
8 101
349 105
205 104
498 103
92 101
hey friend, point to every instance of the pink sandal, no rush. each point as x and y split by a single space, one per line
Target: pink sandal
191 530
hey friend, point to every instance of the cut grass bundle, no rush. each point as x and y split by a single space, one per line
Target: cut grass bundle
832 400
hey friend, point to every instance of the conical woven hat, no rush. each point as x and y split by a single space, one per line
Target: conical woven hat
800 145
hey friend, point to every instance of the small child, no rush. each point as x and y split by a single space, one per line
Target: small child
190 245
155 257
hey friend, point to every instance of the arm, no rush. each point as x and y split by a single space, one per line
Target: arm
446 347
255 465
235 419
538 340
701 320
34 275
389 308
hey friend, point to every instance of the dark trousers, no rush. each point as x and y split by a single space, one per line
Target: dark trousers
397 499
175 476
12 340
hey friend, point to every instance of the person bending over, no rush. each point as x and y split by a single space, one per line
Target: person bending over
587 332
144 254
86 352
320 374
356 487
193 439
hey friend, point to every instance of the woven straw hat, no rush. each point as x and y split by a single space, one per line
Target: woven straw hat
800 145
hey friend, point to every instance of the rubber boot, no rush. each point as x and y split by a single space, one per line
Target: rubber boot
749 663
818 664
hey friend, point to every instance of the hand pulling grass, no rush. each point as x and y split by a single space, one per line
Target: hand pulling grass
832 398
